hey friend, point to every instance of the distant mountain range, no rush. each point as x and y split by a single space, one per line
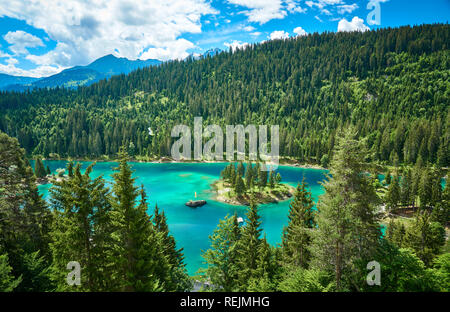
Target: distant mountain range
6 80
102 68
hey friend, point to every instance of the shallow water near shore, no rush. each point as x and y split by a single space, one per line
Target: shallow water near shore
170 185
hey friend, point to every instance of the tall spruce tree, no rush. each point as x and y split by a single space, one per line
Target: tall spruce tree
177 278
297 236
81 230
24 217
135 255
39 169
348 229
393 194
248 247
221 258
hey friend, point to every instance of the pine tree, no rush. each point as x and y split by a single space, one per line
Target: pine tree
348 229
425 188
262 176
272 179
249 176
393 194
239 186
240 169
7 281
81 231
177 279
297 235
425 237
441 212
278 178
388 177
39 169
406 188
248 247
135 256
221 257
24 216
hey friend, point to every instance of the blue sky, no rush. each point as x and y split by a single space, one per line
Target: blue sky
41 38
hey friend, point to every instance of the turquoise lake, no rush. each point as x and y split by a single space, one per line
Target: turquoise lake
170 185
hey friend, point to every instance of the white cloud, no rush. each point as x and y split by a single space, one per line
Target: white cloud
356 24
178 48
249 28
347 8
85 31
12 61
293 7
235 44
19 41
316 4
321 4
3 54
256 33
262 11
300 31
40 71
279 34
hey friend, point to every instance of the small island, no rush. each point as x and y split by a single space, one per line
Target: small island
237 185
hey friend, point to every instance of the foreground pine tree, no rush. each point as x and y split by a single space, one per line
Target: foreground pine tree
135 256
81 230
221 258
297 236
348 229
176 277
24 219
248 248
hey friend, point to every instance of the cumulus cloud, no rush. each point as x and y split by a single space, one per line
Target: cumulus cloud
236 44
299 31
262 11
356 24
19 41
293 7
3 54
279 34
40 71
347 8
85 31
177 48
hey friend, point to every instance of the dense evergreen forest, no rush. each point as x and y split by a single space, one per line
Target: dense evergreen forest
392 84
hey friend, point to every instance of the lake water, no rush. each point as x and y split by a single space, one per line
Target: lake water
170 185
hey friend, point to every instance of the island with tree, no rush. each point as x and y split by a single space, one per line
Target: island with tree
238 184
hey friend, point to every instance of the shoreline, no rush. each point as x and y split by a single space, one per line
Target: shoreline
165 160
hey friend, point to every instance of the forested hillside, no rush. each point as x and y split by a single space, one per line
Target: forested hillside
392 84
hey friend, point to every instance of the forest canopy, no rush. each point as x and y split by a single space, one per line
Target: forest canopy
392 84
